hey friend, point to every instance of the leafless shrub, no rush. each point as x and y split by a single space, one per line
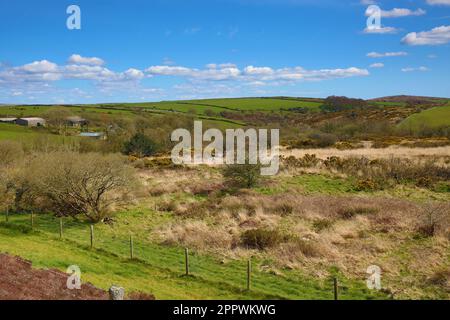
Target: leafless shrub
10 152
434 219
75 184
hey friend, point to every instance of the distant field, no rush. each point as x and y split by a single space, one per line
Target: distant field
431 118
15 132
33 136
260 104
124 110
219 105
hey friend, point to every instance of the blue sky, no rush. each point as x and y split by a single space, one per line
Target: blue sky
136 50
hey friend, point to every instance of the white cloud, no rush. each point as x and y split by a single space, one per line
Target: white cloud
386 54
436 36
410 69
252 73
438 2
93 61
36 71
251 70
34 79
396 12
377 65
380 30
133 74
367 2
43 66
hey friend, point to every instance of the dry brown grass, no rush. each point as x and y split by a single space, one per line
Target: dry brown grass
317 231
371 153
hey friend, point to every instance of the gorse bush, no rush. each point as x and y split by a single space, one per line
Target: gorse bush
382 173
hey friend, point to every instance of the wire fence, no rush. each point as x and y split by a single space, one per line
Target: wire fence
240 276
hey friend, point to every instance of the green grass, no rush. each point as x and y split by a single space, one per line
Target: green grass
257 104
158 268
218 105
431 118
15 132
33 136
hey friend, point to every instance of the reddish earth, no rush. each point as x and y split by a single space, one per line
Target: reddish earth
19 281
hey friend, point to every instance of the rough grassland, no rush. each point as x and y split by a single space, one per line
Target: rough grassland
431 118
157 269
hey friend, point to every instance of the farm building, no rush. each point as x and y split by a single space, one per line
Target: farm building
31 122
76 121
8 120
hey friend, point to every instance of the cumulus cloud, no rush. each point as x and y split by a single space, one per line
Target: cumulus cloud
35 78
367 2
396 12
436 36
252 73
93 61
251 70
381 30
377 65
46 71
411 69
386 54
438 2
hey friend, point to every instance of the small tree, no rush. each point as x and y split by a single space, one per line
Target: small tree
57 118
242 175
139 145
89 184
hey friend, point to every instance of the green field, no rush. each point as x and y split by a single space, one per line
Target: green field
157 269
431 118
229 104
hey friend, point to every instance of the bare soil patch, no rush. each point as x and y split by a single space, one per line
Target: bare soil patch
19 281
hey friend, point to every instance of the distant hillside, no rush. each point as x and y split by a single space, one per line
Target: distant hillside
405 98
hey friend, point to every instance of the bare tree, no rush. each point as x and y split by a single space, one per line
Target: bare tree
83 184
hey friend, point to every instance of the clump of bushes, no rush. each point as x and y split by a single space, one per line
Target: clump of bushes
307 161
382 173
349 213
90 185
313 140
262 238
140 146
242 175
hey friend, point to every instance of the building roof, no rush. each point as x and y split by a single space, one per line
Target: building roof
32 119
91 134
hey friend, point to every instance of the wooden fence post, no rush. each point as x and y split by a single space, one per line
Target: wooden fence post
249 274
60 227
186 260
92 236
131 247
335 285
32 220
7 214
